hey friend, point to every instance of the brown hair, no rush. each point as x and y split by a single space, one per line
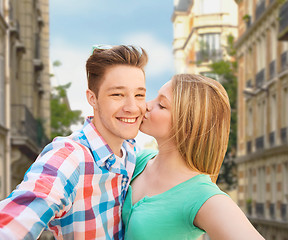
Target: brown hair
103 59
201 120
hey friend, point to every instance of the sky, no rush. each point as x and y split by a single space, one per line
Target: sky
77 25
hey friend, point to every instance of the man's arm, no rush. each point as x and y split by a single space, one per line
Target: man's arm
47 191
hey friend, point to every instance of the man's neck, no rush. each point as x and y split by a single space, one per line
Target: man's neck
113 142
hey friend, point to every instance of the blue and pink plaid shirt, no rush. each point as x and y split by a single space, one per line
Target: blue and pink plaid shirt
76 188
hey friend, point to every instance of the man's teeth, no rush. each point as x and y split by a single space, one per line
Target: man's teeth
128 120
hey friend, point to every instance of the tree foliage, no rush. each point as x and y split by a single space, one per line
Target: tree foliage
62 117
226 70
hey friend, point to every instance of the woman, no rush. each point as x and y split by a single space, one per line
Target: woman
173 194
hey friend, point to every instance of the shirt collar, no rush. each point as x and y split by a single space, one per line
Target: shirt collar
101 151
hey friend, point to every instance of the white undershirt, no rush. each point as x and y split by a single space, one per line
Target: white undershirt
121 159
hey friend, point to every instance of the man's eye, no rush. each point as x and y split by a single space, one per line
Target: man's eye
117 94
140 95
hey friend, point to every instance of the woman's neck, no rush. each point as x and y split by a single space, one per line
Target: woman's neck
169 159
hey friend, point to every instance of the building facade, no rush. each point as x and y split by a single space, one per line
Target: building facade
262 151
201 28
24 87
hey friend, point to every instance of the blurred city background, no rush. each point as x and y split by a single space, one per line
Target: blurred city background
241 43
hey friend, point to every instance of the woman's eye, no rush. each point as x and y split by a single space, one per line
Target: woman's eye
140 95
161 106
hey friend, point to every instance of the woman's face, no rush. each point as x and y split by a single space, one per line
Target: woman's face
157 121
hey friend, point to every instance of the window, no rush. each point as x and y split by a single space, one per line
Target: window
2 92
210 41
209 6
210 48
261 54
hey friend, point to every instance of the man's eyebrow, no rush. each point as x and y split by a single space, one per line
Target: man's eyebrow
122 88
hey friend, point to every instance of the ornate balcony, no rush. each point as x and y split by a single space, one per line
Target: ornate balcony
283 22
27 132
260 78
249 84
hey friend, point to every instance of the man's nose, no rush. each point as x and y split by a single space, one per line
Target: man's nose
131 105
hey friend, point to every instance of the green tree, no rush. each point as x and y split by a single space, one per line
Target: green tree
62 117
226 71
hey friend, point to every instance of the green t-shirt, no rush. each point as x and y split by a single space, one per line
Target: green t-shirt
168 215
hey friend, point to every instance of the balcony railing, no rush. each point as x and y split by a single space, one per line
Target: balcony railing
25 125
272 139
283 135
260 9
249 147
260 210
272 210
283 22
284 212
208 55
249 84
272 69
284 62
260 78
259 143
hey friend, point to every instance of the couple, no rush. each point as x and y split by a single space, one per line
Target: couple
78 184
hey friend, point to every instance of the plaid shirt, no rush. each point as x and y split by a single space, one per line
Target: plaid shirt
76 188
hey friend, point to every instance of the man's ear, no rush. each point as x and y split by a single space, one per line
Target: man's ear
91 98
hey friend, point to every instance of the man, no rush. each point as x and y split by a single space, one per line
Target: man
77 185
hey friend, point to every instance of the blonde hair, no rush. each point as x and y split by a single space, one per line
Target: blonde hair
201 122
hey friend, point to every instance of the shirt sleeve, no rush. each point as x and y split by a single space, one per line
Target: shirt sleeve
205 190
47 192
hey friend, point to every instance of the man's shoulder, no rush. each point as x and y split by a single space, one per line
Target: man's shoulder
63 144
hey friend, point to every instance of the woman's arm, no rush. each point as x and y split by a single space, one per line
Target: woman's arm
222 219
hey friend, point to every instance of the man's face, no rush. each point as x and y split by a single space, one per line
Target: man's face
120 105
